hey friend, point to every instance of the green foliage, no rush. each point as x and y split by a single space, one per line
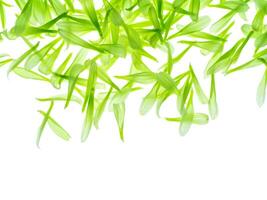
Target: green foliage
103 32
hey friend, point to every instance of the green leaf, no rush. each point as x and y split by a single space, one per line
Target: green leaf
153 17
149 100
213 107
200 93
143 77
75 71
160 9
164 95
15 63
261 41
72 38
170 59
91 81
89 8
210 46
104 77
187 117
240 49
225 61
47 64
258 21
114 49
101 108
207 36
119 112
120 96
261 91
58 7
252 63
192 27
183 95
114 14
56 127
29 74
4 62
177 58
133 37
55 80
61 98
87 124
166 81
89 100
2 14
198 118
34 59
194 9
70 4
24 18
220 24
52 22
43 124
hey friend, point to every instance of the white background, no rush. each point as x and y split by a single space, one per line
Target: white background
225 159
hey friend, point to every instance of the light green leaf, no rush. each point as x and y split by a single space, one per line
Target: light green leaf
193 27
166 81
75 71
43 124
89 8
104 77
56 127
258 21
210 46
200 93
143 77
261 91
15 63
91 81
101 108
61 98
29 74
149 100
89 99
47 64
194 9
24 18
220 24
34 59
119 112
213 107
261 41
2 14
198 118
187 117
72 38
55 80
